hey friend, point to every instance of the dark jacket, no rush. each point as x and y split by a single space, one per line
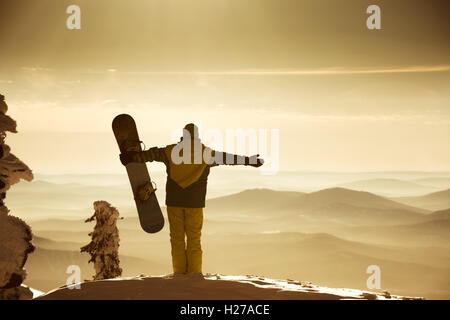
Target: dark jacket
187 181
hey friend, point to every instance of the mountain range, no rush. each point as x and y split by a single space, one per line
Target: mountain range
328 237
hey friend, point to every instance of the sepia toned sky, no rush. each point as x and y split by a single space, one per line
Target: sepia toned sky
344 98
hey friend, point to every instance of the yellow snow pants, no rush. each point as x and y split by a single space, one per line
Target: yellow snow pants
186 223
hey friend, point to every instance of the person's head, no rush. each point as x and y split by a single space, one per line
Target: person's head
190 131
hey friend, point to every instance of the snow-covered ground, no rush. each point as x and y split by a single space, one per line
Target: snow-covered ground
211 287
36 293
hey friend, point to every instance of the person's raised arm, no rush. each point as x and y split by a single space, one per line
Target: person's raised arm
152 154
224 158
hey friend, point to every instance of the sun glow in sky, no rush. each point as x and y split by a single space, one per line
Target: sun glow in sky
342 96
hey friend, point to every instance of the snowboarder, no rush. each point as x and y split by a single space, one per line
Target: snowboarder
188 164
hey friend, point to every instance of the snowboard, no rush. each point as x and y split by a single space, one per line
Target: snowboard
150 214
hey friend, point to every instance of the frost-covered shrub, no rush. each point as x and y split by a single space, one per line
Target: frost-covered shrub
15 234
104 246
15 244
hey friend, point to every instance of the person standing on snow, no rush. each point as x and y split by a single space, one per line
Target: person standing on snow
188 165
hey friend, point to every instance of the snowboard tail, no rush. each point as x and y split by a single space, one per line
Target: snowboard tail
149 211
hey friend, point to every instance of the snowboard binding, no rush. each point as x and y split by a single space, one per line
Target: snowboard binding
145 191
132 145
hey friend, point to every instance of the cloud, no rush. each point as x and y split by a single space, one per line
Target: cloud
321 71
108 102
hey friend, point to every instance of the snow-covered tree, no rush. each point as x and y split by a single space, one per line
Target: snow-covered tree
15 234
104 246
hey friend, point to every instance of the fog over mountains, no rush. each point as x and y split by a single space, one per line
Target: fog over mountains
329 236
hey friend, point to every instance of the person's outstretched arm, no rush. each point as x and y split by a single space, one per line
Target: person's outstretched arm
152 154
224 158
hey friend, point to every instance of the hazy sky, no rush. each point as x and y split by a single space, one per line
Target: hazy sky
342 96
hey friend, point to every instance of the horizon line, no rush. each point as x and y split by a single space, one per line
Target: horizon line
324 71
280 171
266 72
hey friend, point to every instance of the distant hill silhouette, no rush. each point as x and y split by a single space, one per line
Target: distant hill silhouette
440 215
253 199
333 206
390 187
355 198
47 267
441 183
433 201
328 237
431 233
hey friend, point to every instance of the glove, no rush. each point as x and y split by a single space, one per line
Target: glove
130 156
254 161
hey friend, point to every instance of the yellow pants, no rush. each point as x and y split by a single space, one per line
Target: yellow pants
186 223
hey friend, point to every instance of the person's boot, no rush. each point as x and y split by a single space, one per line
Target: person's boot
196 276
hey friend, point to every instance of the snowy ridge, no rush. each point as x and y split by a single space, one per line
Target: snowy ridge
36 293
210 287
